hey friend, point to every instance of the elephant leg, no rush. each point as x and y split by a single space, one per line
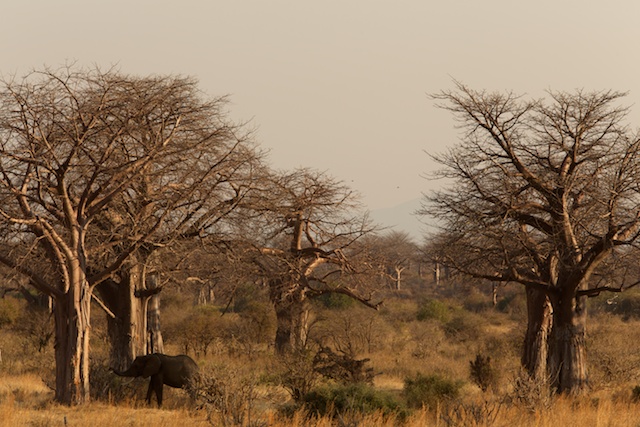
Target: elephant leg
159 394
150 391
156 385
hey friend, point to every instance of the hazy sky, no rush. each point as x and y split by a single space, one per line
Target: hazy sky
341 85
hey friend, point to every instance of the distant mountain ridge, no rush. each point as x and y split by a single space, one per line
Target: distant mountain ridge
401 218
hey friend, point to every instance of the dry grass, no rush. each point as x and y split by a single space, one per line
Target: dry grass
26 401
402 348
564 412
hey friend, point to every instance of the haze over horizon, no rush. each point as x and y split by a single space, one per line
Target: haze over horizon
341 86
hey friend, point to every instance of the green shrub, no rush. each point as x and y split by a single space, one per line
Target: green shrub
431 309
333 301
360 398
428 390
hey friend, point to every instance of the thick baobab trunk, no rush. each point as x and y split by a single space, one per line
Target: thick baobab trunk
536 341
568 356
72 313
127 331
292 321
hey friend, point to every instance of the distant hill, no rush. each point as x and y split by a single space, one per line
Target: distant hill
401 218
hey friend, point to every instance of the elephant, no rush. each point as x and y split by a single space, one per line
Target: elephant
175 371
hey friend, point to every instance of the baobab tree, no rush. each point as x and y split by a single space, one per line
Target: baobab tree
83 148
541 193
203 183
305 228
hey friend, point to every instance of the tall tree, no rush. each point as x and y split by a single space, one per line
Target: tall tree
541 192
75 147
202 181
307 226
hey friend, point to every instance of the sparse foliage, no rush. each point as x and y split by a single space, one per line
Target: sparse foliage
306 245
297 374
542 193
95 166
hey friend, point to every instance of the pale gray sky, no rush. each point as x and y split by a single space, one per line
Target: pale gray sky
341 85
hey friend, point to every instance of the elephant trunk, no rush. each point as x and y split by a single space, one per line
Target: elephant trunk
126 373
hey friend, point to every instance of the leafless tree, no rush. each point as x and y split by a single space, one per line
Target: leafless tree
541 193
94 170
395 252
306 229
203 180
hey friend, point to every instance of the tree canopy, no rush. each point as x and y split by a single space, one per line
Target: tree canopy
540 192
96 165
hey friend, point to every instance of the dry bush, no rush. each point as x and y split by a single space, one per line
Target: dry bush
513 304
342 367
625 305
613 363
352 332
36 325
197 330
205 330
110 388
465 326
228 396
531 394
428 339
484 373
478 299
296 373
399 311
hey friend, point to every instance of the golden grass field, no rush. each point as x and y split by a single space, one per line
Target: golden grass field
26 401
398 347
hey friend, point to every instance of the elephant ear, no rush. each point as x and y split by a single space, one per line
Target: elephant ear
152 366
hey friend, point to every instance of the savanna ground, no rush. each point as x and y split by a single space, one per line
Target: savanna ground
420 346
